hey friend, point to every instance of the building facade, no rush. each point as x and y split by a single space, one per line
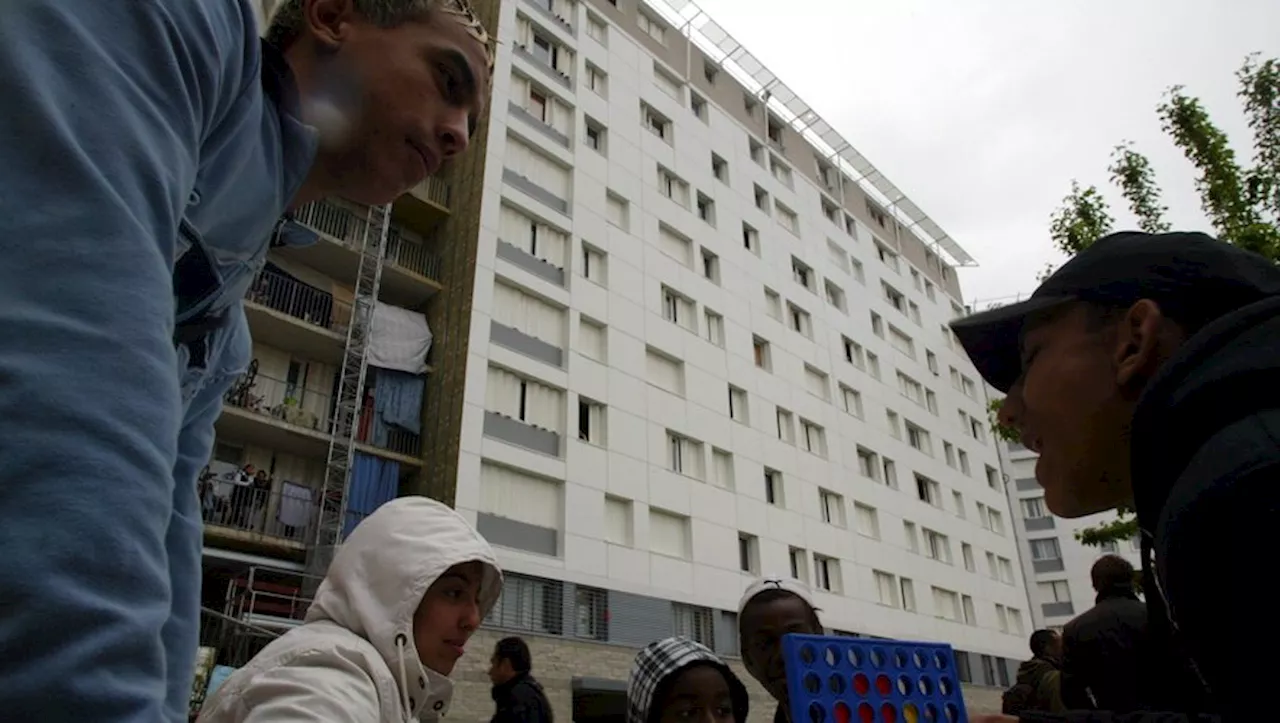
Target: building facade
682 335
1054 563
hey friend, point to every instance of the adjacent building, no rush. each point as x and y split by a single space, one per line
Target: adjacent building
681 333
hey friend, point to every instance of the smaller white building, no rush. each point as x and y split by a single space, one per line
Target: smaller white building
1054 563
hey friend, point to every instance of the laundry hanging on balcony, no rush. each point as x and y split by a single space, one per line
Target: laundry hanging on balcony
399 339
374 482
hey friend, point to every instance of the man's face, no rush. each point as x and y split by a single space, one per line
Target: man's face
1069 407
500 670
763 625
447 616
392 104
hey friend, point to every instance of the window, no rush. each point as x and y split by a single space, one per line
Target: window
908 594
781 171
535 238
597 29
658 124
750 239
815 382
529 604
738 404
710 71
721 468
719 168
773 487
592 338
913 311
835 296
672 187
597 80
827 571
748 553
1056 591
946 604
968 387
890 473
800 320
911 389
713 327
901 343
966 553
877 325
964 461
515 397
866 520
993 478
799 564
595 135
694 622
1015 621
936 546
678 309
912 538
970 615
851 400
1002 618
591 421
802 273
1006 570
831 211
698 105
853 353
706 208
928 291
710 267
754 148
684 455
667 83
760 353
918 438
814 438
838 256
787 218
931 360
894 423
617 520
762 198
773 130
931 401
887 257
991 566
1033 508
617 210
831 506
997 521
537 105
887 589
869 464
664 371
651 27
593 264
674 245
894 297
928 491
1046 549
958 501
786 426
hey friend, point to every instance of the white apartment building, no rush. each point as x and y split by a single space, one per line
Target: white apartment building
701 351
1054 563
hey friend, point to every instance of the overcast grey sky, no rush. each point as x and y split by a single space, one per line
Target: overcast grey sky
982 111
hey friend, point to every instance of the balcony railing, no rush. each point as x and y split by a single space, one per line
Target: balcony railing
289 402
348 228
307 303
434 190
282 514
397 440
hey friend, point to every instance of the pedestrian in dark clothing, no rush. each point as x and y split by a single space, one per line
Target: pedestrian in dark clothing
1039 682
1106 661
1146 372
518 696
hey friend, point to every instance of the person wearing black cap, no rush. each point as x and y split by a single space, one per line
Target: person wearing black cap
1145 372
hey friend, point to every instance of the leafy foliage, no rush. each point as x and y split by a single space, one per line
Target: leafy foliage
1001 431
1242 203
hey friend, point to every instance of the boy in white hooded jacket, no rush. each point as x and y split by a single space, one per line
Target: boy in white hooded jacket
405 591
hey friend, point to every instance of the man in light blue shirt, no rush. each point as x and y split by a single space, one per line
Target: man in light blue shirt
147 147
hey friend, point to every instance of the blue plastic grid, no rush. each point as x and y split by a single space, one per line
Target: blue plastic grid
834 679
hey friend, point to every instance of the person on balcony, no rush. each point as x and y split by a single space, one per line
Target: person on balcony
147 150
405 592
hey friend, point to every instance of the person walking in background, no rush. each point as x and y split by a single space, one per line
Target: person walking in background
677 680
1105 660
516 693
1039 681
404 593
1144 373
771 608
147 150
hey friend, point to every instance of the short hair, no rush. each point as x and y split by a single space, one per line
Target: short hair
1111 572
770 595
286 22
1041 640
515 651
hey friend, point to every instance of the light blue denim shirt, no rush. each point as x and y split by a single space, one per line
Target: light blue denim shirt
147 148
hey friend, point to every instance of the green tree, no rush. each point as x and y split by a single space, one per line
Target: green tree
1242 203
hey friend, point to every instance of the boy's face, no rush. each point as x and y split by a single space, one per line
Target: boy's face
699 694
763 625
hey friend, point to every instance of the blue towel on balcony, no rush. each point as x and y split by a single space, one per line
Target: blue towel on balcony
374 482
397 402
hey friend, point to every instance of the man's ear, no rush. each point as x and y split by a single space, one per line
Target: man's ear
1137 347
328 21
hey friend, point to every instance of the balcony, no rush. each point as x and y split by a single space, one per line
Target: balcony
395 443
531 263
537 123
426 204
541 60
297 317
409 277
1049 565
249 515
520 434
276 414
532 189
1058 609
544 9
1036 524
522 343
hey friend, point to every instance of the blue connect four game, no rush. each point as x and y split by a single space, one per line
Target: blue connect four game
835 679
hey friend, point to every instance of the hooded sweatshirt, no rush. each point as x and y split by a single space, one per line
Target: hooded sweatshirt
354 658
659 662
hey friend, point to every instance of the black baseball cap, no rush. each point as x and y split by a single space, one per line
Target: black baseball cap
1194 278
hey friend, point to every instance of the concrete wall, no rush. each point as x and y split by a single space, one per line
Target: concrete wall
557 661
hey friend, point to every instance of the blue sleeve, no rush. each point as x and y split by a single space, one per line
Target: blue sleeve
106 103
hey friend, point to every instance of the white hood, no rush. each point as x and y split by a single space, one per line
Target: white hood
380 574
